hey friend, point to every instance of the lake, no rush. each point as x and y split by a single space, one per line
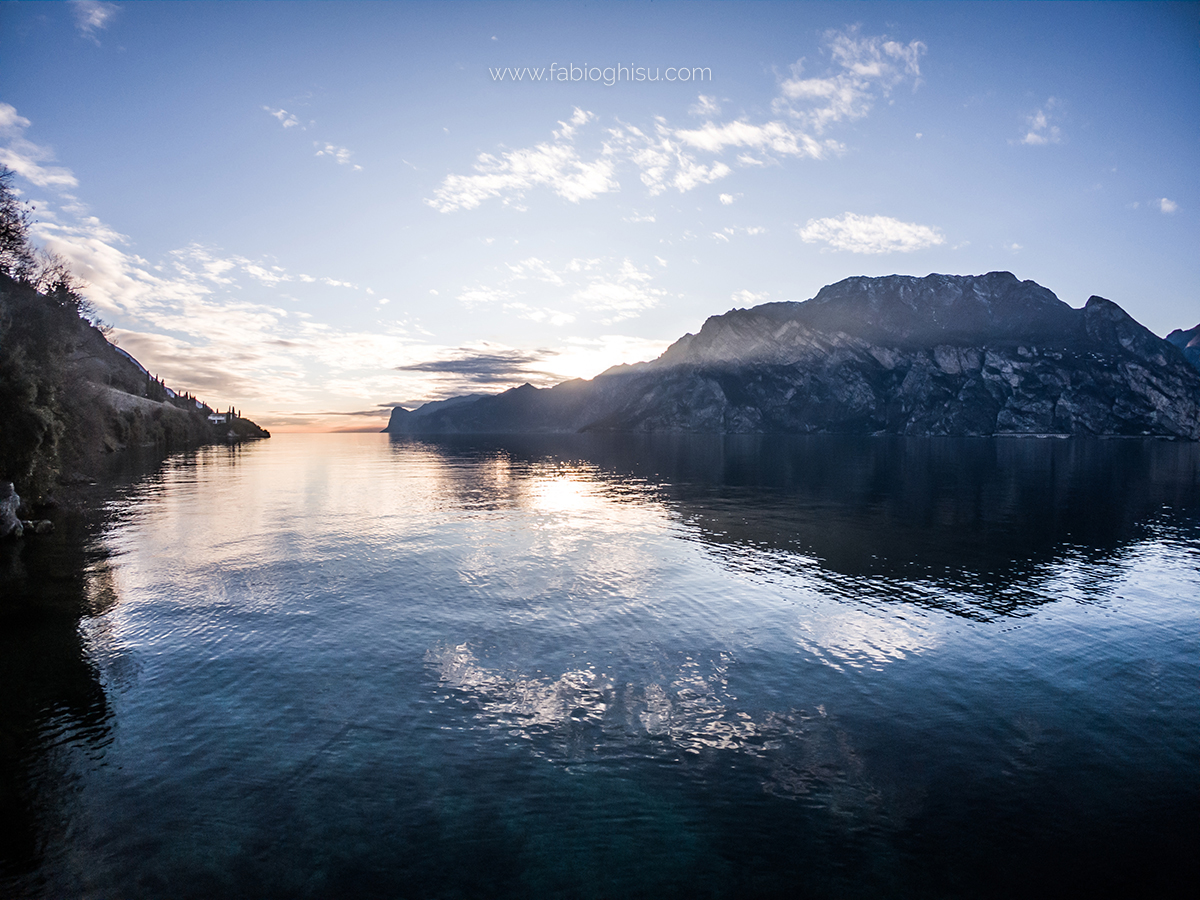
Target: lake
611 666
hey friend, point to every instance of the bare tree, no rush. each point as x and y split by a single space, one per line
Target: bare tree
54 278
16 216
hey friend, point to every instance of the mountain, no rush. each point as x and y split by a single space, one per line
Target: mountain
940 355
1188 342
68 396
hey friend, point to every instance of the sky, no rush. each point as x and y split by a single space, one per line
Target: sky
317 211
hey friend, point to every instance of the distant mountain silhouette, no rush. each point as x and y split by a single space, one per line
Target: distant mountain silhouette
940 355
1189 342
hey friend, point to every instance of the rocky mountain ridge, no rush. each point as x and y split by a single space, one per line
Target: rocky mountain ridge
940 355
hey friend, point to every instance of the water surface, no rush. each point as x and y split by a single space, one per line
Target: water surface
350 665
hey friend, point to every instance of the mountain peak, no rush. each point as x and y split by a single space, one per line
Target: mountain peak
908 311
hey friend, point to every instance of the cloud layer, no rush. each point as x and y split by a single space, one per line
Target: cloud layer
870 234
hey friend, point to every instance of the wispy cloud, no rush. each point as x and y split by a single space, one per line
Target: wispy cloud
485 365
775 137
666 157
864 69
1040 127
554 164
749 298
340 154
619 295
92 16
607 290
725 233
482 294
870 234
489 367
25 157
1167 206
662 158
287 119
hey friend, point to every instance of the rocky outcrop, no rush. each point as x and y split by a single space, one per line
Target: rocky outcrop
941 355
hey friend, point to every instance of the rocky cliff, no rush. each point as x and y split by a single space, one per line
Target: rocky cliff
940 355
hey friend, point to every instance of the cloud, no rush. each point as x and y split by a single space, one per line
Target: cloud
341 154
482 366
740 229
749 297
618 295
578 117
776 137
10 121
554 317
555 164
604 289
286 118
1167 206
663 159
92 16
1041 128
864 69
870 234
535 268
476 295
451 371
25 157
726 199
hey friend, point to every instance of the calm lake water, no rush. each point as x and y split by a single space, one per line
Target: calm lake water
362 666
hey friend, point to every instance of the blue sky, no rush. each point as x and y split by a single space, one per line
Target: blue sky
314 211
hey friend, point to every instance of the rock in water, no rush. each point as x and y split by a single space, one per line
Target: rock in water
940 355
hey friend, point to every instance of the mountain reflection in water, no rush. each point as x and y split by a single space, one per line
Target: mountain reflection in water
589 666
974 524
